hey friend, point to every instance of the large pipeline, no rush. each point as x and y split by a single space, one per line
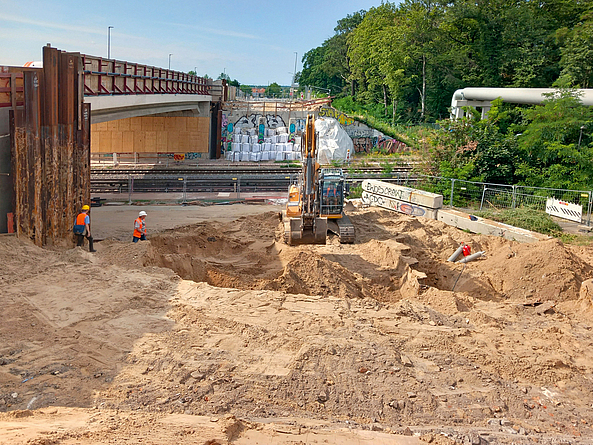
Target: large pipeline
483 97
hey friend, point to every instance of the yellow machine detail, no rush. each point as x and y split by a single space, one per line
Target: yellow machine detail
316 203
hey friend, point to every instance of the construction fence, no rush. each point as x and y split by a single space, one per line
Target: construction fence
486 196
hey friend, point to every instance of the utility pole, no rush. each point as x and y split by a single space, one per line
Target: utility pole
109 28
295 64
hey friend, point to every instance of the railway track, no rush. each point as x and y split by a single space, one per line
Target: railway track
208 179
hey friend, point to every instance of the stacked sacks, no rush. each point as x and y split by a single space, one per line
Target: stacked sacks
275 147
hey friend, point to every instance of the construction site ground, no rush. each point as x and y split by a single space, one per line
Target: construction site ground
214 332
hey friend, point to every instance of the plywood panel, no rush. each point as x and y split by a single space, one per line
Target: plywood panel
147 123
158 123
161 141
105 142
99 127
180 123
123 124
139 141
128 142
192 123
183 141
95 138
204 124
112 125
136 124
149 142
172 141
116 142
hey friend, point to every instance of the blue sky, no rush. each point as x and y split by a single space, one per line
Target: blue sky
254 42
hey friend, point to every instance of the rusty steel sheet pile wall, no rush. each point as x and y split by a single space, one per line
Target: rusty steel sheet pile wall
51 150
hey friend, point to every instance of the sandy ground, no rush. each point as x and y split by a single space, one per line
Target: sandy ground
214 331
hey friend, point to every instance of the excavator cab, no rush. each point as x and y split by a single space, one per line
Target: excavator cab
331 184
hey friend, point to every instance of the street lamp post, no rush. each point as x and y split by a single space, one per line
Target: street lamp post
109 28
170 60
295 64
581 135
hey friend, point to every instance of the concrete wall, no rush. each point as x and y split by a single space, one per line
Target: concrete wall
6 187
167 133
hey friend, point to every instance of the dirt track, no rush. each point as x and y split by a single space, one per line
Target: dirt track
217 331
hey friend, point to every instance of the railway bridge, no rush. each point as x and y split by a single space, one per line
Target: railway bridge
47 116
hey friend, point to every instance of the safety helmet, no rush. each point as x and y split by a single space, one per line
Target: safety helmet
142 213
85 207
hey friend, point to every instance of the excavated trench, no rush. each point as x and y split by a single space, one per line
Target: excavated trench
394 257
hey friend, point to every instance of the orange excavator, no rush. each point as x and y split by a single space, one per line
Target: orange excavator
316 202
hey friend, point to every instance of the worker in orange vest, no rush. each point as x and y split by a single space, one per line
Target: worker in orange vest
140 227
82 227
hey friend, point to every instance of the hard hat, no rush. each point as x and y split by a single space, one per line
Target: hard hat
85 207
142 213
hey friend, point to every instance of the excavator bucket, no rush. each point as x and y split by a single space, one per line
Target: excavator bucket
298 234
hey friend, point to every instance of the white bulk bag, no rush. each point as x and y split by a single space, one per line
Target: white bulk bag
333 142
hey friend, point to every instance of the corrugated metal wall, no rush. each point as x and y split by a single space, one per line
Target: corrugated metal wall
51 150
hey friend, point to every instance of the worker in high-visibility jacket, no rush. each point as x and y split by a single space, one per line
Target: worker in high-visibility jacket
140 227
82 227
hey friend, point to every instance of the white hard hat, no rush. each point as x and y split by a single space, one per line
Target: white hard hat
142 213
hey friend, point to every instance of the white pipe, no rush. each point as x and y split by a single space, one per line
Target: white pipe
482 97
473 256
453 257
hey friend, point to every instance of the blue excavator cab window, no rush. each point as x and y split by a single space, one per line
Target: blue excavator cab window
331 197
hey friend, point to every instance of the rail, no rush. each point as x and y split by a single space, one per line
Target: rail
115 77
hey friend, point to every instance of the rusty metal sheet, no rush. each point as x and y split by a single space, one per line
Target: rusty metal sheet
50 137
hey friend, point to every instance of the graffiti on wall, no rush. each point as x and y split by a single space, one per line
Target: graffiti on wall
299 125
332 112
388 145
252 121
359 132
362 145
225 133
181 156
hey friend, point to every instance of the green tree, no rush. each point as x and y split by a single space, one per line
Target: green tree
246 89
577 53
549 146
327 66
274 90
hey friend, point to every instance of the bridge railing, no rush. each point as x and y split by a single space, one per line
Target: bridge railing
115 77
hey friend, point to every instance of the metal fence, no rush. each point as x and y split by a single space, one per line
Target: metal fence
485 196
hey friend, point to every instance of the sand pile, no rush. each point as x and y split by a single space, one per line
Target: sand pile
201 326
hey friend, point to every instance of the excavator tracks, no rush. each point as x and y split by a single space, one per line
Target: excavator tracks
342 227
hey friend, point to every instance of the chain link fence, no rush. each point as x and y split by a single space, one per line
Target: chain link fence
484 196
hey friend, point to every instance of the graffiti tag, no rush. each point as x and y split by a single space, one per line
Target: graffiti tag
332 112
392 204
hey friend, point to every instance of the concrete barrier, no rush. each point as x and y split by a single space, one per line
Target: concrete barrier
399 206
401 193
488 227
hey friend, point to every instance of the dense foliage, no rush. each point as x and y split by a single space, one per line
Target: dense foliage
410 57
548 145
400 64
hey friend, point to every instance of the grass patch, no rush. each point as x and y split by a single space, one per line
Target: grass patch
355 192
528 219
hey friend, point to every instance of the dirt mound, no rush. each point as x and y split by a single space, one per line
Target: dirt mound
546 270
311 274
368 336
